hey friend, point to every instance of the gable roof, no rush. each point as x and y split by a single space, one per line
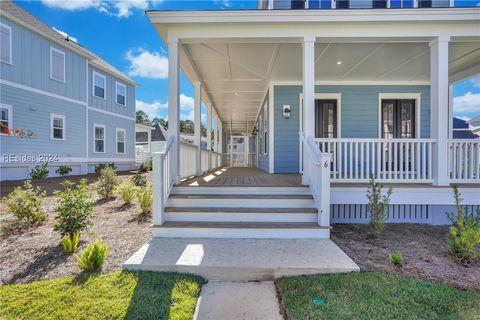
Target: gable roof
460 124
22 17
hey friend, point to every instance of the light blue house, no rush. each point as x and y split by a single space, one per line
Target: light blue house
60 102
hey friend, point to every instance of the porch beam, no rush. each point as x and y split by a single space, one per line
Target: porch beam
439 108
174 107
197 119
209 136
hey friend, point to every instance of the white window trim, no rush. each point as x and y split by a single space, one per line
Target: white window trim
52 49
116 93
10 62
94 73
124 140
394 96
96 125
59 116
10 117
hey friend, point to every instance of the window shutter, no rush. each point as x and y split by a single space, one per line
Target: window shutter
5 34
58 66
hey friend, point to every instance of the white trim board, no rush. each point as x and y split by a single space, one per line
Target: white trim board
10 116
68 160
110 113
394 96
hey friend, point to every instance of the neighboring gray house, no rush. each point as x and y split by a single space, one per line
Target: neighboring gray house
60 102
462 130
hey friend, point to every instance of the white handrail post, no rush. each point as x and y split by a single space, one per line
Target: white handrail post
158 187
324 189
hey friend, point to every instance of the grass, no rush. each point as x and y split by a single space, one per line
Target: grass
118 295
374 296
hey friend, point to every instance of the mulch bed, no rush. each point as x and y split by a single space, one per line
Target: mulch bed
423 247
32 253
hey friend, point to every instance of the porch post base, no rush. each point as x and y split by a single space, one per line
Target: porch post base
442 181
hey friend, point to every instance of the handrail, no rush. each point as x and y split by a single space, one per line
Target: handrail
373 140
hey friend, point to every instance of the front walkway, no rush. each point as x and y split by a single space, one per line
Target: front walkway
236 177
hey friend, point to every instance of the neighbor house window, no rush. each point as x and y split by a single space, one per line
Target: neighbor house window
99 138
99 84
5 118
5 43
57 64
57 127
120 140
121 94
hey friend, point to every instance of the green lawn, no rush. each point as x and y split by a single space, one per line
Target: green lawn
118 295
374 296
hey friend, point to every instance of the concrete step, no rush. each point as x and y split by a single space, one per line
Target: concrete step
257 230
241 259
241 200
242 190
217 214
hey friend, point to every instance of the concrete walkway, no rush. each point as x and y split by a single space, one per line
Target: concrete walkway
238 301
241 259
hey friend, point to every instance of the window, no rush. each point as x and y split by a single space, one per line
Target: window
5 43
99 138
265 129
57 64
57 127
326 119
121 94
99 84
5 117
120 140
398 118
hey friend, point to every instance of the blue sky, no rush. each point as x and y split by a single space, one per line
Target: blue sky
120 33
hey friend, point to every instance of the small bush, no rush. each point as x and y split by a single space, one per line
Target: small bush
63 170
378 207
139 180
70 243
145 167
464 233
106 183
93 257
99 167
74 207
396 259
25 203
145 198
127 192
40 172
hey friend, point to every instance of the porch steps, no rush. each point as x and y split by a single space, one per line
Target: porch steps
241 212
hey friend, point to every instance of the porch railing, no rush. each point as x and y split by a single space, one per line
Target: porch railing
464 160
395 160
316 169
163 181
188 154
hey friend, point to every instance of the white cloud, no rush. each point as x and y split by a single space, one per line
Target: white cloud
147 64
72 4
124 7
187 102
223 3
475 82
468 103
151 109
63 33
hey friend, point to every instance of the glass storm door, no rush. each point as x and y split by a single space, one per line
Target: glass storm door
325 118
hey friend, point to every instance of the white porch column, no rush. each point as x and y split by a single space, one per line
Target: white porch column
308 93
197 119
439 108
209 135
149 139
220 140
174 108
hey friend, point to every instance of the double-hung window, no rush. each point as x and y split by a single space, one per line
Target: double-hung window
5 118
121 93
57 64
99 85
57 126
5 43
99 138
265 129
120 141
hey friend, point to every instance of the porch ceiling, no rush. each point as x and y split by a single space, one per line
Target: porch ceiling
236 73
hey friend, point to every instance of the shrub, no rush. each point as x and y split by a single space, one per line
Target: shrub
464 233
63 170
139 180
25 203
74 208
145 198
145 167
106 183
93 257
99 167
127 192
70 243
40 172
396 259
378 207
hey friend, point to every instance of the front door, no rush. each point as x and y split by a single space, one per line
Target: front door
326 119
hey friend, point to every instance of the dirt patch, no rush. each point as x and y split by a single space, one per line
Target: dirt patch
32 253
423 247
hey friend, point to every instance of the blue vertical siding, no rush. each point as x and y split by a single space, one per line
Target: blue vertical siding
359 117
